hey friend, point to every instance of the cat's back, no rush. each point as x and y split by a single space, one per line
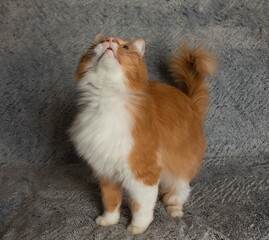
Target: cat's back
169 98
180 129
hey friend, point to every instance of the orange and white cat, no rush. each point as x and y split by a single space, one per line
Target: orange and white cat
140 135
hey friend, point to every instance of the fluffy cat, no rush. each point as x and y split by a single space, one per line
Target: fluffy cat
140 135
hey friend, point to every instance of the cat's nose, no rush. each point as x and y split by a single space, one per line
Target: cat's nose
110 39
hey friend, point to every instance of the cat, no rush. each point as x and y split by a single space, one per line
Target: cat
139 135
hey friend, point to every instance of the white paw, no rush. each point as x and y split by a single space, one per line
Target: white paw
175 211
136 230
105 221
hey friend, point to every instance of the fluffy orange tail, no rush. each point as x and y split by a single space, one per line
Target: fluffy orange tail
190 67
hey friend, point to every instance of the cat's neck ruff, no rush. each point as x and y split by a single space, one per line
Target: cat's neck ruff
102 131
102 82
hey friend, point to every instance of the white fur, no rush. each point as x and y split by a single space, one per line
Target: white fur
102 132
145 197
139 46
109 218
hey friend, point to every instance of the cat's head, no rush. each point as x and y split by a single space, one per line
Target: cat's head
115 58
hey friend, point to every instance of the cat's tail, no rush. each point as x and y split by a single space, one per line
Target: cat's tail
190 67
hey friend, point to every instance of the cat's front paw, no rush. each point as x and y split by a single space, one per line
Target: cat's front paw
108 219
136 230
175 211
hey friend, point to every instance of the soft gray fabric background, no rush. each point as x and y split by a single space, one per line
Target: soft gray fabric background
44 197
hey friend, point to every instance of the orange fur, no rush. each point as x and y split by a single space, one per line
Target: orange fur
181 143
190 67
166 120
111 195
134 68
134 206
83 63
143 157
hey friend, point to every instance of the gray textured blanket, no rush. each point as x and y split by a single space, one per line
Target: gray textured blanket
46 192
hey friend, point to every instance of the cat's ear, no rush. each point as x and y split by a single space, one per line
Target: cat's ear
99 38
139 46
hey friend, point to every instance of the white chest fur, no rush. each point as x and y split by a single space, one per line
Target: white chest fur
102 132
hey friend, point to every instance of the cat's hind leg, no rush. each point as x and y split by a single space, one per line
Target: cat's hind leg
174 193
143 199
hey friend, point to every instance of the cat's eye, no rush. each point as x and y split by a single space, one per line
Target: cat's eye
126 47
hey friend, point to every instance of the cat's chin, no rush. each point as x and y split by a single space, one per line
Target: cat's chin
108 62
110 53
109 58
